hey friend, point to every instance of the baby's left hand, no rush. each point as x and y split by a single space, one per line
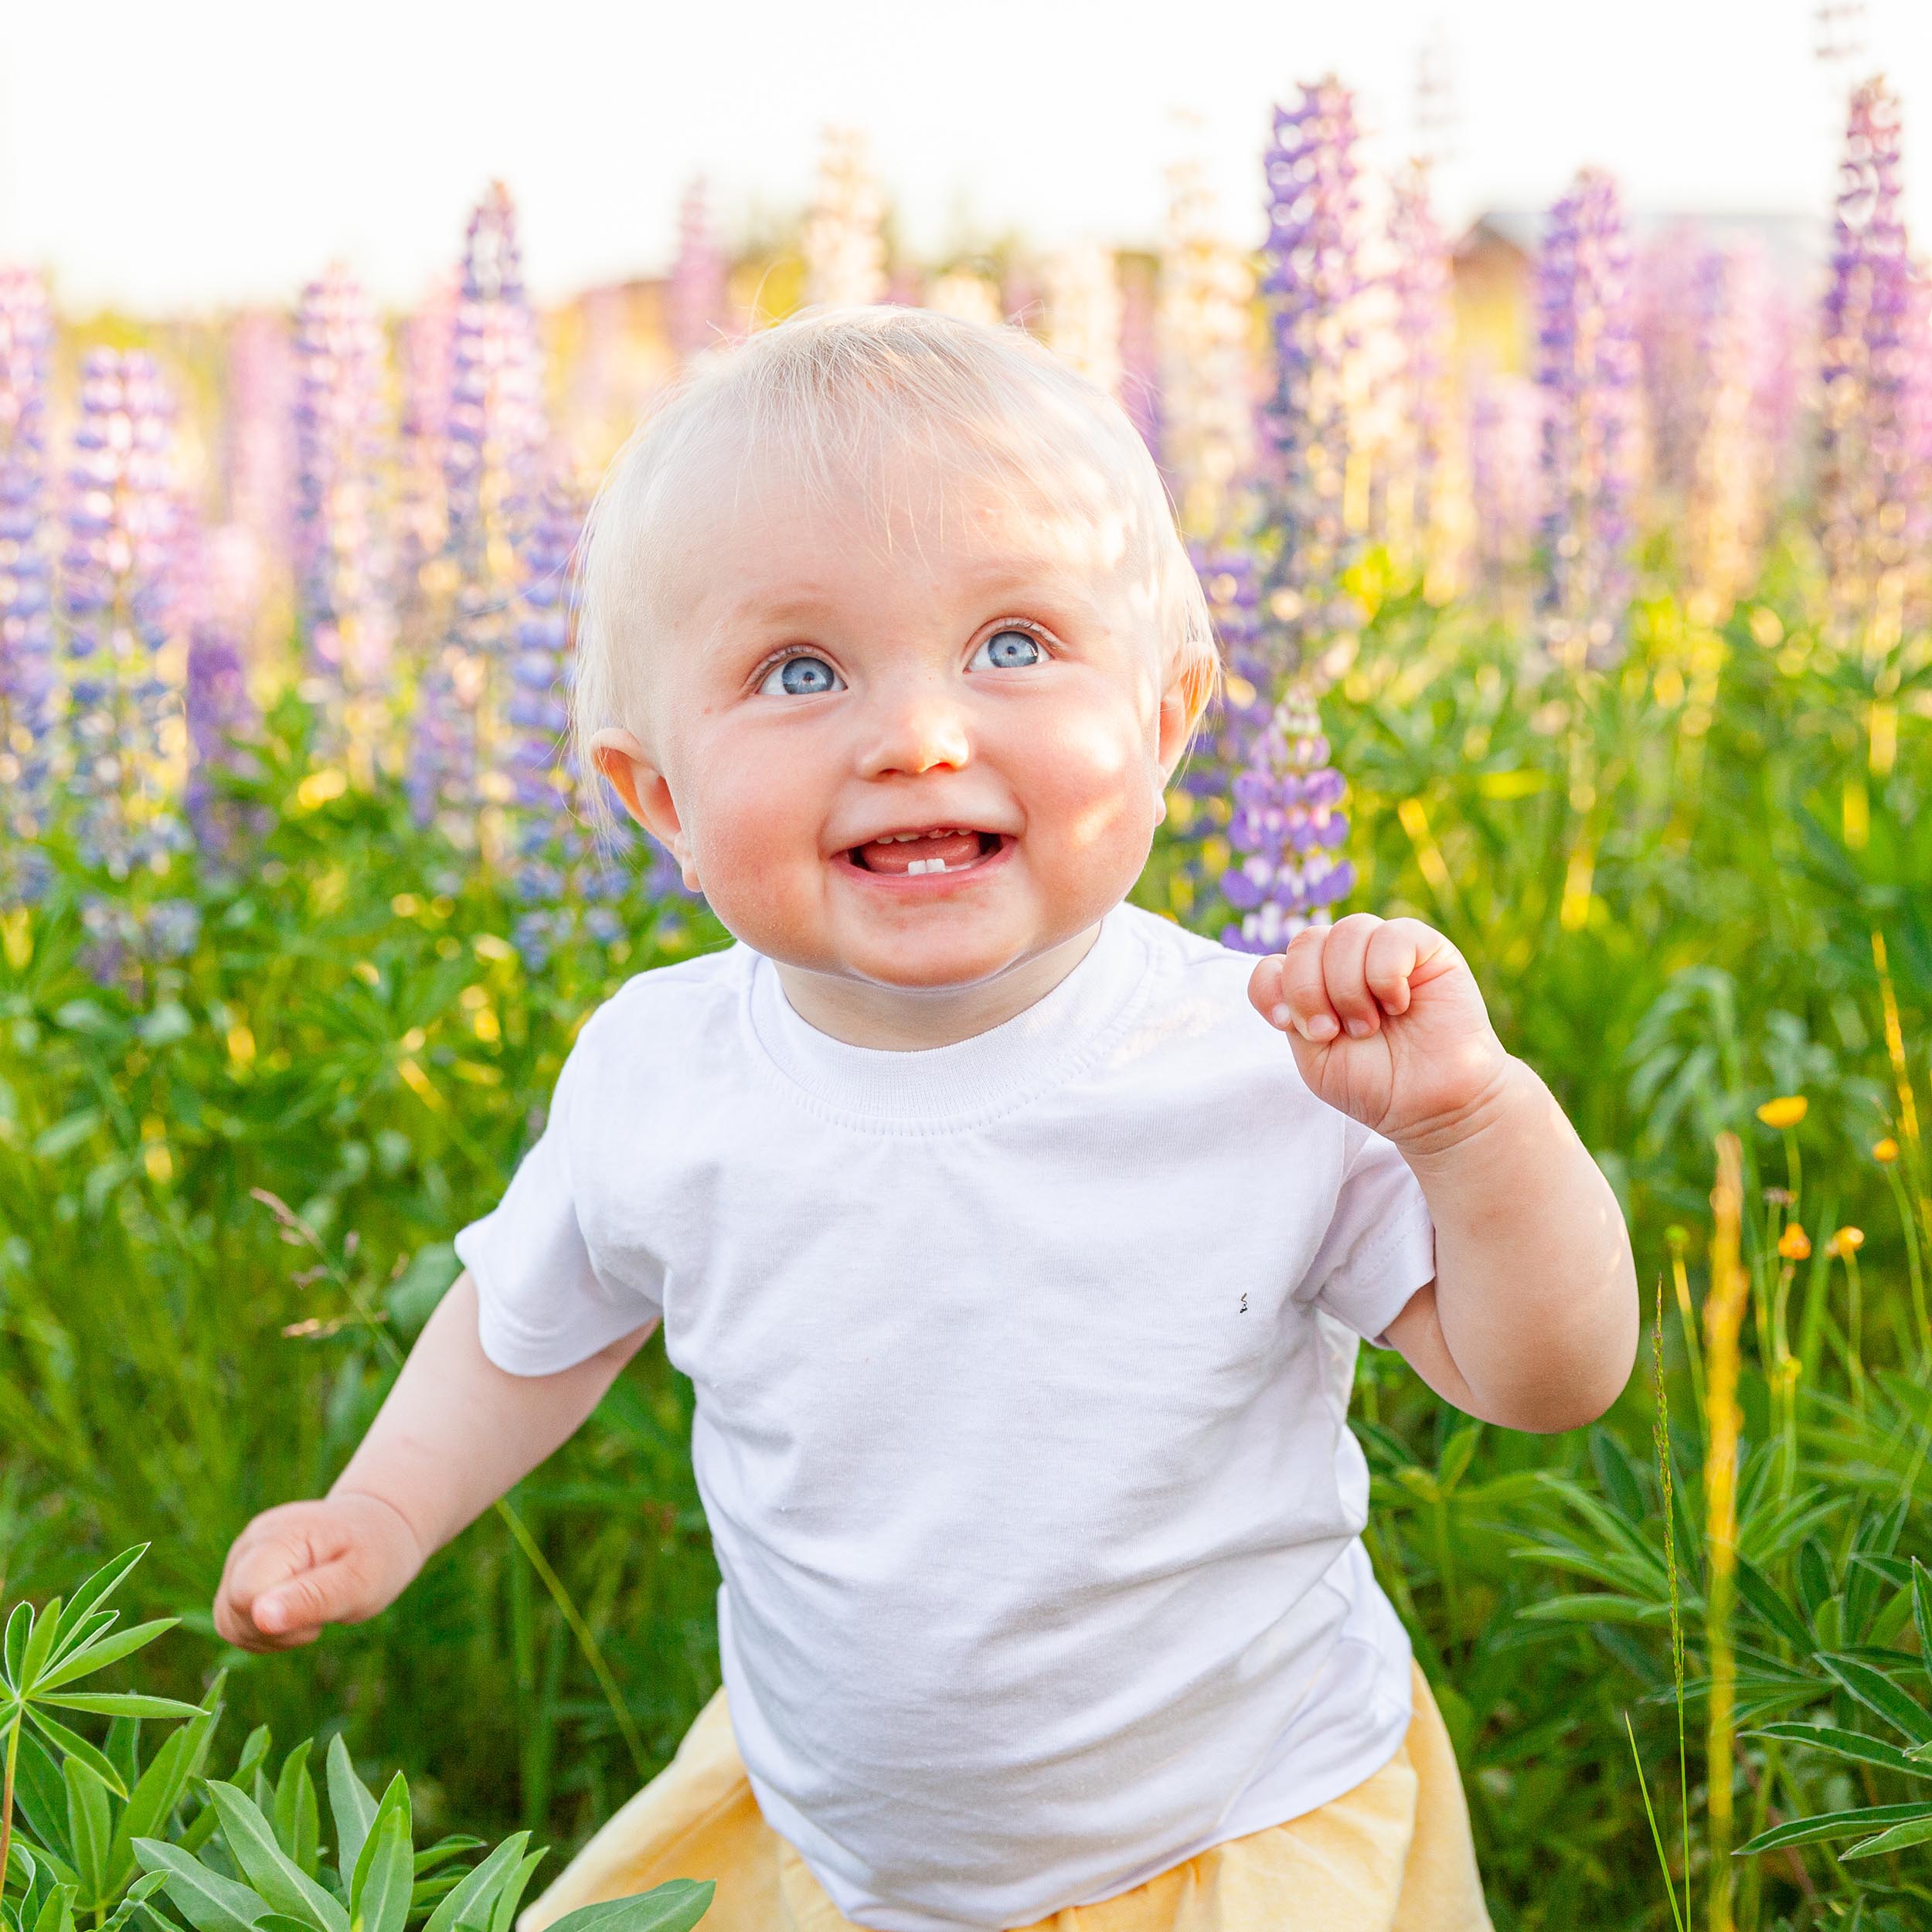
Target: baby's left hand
1387 1024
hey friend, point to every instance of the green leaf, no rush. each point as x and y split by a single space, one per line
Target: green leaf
1595 1607
1922 1612
471 1902
298 1820
121 1704
56 1910
13 1646
93 1592
41 1793
1809 1830
43 1629
74 1745
1879 1694
352 1805
503 1914
209 1901
90 1828
1895 1840
1614 1472
396 1798
280 1922
1456 1455
251 1842
380 1902
442 1851
672 1907
157 1792
87 1657
1814 1583
1854 1745
1771 1609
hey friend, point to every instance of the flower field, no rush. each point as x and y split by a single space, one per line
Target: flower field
1610 654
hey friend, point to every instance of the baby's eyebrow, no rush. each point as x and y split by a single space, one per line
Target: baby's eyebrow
1012 576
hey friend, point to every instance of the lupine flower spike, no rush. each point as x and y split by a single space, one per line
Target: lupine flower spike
27 680
1206 369
695 302
1587 366
1866 348
844 247
340 356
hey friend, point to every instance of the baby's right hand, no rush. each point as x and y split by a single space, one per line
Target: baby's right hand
338 1559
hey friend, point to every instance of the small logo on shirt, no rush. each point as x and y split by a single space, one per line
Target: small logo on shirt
1243 1307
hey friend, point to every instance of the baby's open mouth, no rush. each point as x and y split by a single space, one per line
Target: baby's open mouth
906 853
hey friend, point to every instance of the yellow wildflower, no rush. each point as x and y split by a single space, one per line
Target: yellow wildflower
1787 1110
1846 1241
1884 1151
1794 1244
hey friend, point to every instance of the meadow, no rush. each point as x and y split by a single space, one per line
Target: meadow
284 983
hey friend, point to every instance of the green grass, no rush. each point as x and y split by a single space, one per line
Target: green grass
1670 922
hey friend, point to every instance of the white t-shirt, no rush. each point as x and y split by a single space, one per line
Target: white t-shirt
1021 1370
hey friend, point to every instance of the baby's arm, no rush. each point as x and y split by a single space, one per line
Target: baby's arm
454 1434
1532 1320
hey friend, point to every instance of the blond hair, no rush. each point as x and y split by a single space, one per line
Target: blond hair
829 389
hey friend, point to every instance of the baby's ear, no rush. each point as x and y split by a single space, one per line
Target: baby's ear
1190 689
622 759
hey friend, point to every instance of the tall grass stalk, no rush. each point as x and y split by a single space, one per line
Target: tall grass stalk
1660 1436
1723 1318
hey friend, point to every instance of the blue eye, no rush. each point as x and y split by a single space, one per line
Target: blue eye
1009 651
800 678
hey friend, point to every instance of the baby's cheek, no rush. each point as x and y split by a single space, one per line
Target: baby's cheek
1092 787
756 867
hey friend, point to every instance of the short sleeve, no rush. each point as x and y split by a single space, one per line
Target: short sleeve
1381 1244
542 1302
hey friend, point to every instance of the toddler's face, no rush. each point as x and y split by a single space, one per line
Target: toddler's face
916 759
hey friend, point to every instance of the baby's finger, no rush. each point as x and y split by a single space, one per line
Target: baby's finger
332 1592
1343 957
1394 948
1303 997
1264 989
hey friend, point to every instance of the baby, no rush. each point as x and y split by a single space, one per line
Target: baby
1019 1269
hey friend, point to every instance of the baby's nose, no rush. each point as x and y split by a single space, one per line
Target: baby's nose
916 730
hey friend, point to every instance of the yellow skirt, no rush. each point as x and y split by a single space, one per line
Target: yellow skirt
1393 1855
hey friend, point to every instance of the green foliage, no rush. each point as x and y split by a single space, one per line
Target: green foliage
169 1848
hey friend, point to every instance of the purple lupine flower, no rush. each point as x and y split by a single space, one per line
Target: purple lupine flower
1288 826
1731 463
496 431
1663 283
1505 441
1207 374
1311 284
27 679
258 450
696 307
1423 509
1231 579
214 573
1587 365
1864 480
339 351
423 499
117 599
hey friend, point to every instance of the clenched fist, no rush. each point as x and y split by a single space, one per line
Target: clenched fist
1388 1026
296 1567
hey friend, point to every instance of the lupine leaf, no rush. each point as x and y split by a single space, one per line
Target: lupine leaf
470 1902
503 1914
1879 1694
1854 1745
298 1820
380 1902
89 1828
74 1745
40 1642
54 1909
251 1842
1771 1609
13 1646
442 1851
396 1798
88 1658
352 1805
121 1704
158 1790
208 1901
1922 1612
1895 1840
41 1793
674 1906
93 1592
1809 1830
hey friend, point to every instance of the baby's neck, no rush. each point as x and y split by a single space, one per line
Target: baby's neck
905 1020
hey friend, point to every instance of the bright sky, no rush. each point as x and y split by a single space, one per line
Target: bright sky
197 151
